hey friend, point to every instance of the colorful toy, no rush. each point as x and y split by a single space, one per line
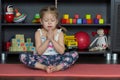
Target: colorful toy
76 16
101 21
74 21
67 21
66 16
19 17
98 16
89 21
101 41
96 21
63 21
9 15
36 18
88 16
18 44
84 21
70 42
79 21
7 45
71 20
83 39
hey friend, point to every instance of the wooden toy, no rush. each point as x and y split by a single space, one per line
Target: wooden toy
18 44
67 21
89 21
84 21
63 21
66 16
79 21
101 21
76 16
96 21
71 20
74 21
98 16
87 16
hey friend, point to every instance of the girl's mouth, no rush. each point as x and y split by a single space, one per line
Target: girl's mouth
49 26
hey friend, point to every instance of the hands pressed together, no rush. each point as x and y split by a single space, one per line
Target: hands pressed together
50 35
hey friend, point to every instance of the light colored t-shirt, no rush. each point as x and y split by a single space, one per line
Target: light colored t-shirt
50 49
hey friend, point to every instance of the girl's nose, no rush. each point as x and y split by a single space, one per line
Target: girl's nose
49 22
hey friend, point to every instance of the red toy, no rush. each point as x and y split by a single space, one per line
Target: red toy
9 18
83 40
89 21
9 15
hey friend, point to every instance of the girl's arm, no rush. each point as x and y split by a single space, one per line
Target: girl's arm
40 47
59 46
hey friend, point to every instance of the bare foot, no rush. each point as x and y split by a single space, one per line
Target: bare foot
48 69
51 69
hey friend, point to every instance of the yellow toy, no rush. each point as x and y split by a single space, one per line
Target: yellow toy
70 42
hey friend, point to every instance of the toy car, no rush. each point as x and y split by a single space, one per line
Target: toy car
70 42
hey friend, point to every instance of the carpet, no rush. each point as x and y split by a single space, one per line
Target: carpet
77 70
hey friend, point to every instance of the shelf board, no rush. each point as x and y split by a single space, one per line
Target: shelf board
37 24
17 52
93 52
85 25
21 24
79 51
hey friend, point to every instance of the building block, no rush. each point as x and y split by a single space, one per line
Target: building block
71 20
96 21
101 21
89 21
63 21
74 21
76 16
88 16
67 21
79 21
84 21
98 16
66 16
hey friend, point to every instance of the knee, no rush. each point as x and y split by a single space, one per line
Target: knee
74 54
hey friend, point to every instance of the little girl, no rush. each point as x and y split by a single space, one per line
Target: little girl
49 41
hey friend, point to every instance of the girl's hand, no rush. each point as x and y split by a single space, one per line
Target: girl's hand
50 35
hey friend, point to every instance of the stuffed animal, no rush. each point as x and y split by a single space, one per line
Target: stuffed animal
101 41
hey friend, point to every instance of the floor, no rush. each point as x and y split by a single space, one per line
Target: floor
83 59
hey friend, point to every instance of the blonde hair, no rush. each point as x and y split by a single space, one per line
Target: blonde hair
50 9
53 10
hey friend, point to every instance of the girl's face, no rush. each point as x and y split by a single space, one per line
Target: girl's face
49 21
